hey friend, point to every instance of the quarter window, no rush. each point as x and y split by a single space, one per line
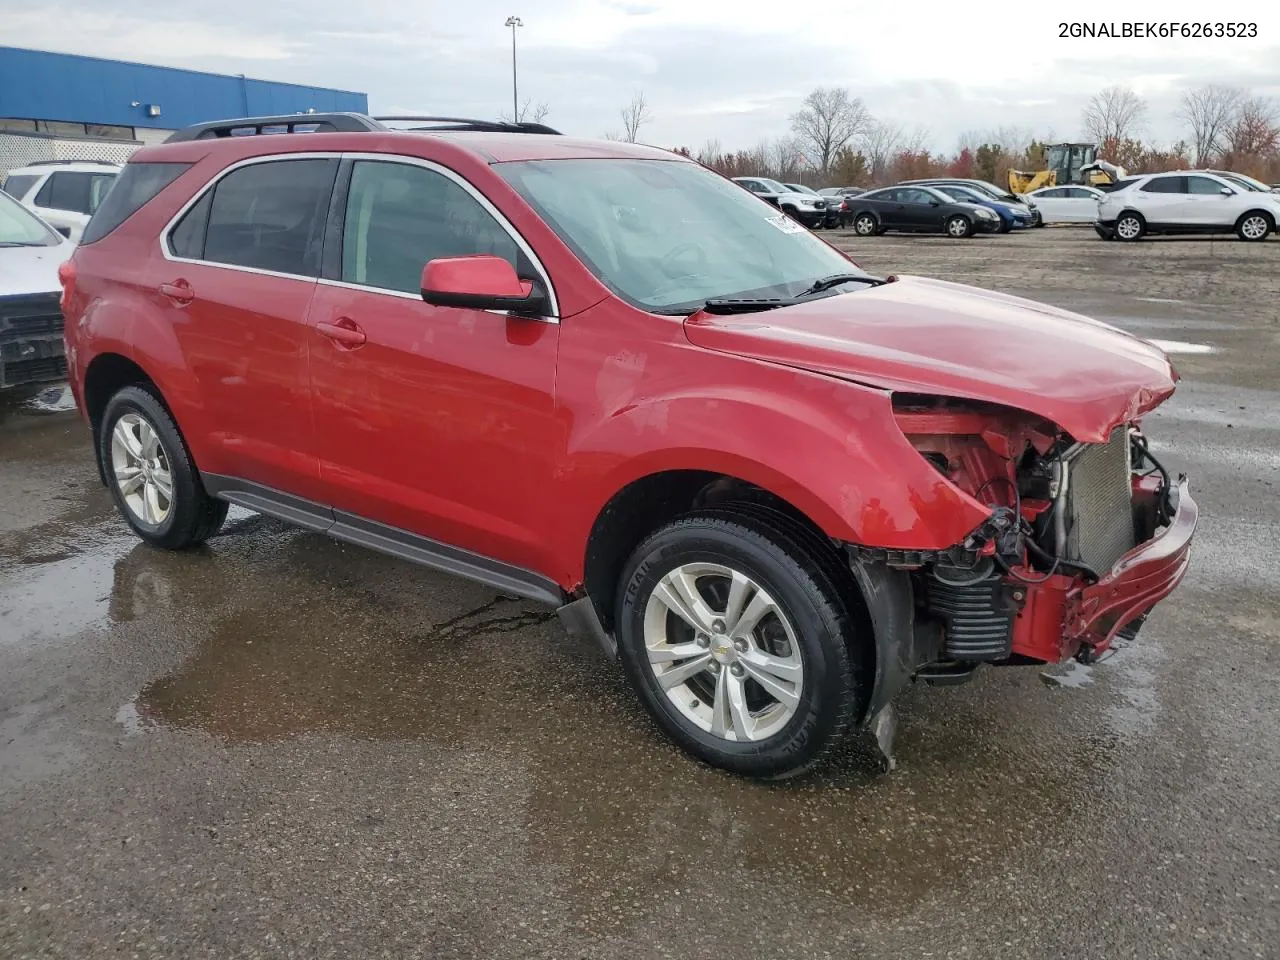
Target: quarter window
401 216
269 216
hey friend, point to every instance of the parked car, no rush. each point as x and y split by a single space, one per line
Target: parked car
1244 180
1067 204
919 210
601 377
65 193
1186 203
31 251
842 191
809 210
1013 216
985 186
837 210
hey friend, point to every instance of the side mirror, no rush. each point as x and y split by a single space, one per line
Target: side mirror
935 203
1227 192
480 283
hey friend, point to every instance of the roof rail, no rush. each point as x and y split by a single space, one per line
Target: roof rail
464 123
55 163
256 126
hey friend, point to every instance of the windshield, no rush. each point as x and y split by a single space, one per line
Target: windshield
19 228
1246 181
965 195
667 236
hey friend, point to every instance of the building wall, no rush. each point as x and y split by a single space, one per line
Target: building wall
53 86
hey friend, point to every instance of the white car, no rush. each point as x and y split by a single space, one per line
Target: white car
1069 204
30 316
64 193
1186 201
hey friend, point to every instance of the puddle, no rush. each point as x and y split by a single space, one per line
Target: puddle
58 399
1183 347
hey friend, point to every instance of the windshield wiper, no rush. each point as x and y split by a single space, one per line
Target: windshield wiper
746 304
20 243
826 283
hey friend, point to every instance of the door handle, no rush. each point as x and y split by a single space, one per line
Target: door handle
344 332
179 291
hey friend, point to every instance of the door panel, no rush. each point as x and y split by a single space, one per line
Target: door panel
242 328
441 421
1207 205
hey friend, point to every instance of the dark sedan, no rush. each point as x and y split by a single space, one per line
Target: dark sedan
918 210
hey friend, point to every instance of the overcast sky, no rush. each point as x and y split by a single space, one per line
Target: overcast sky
734 70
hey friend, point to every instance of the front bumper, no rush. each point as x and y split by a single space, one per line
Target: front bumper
987 226
1065 616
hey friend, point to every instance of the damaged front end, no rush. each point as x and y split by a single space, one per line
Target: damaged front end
1081 540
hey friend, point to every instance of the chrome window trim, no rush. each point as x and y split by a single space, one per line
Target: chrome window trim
165 250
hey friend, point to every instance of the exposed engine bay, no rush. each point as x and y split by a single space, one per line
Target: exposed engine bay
1062 515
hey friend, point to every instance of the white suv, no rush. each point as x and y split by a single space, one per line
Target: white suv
63 192
1188 201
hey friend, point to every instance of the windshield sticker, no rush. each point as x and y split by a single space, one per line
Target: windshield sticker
785 224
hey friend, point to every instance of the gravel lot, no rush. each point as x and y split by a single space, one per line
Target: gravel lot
280 746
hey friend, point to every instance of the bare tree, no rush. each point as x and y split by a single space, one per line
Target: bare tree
1114 114
828 119
1208 111
1253 130
784 157
880 141
710 153
635 115
528 113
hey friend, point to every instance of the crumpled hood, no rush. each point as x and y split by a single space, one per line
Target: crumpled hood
929 336
25 270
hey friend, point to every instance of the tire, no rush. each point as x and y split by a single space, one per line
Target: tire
188 516
1130 227
959 227
1255 226
866 225
1005 226
805 625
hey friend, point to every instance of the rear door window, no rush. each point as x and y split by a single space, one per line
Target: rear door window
17 186
271 216
1166 185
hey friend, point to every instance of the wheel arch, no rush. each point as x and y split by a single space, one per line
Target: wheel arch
104 377
1256 211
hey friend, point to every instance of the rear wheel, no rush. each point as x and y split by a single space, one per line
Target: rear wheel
150 474
865 225
738 644
959 226
1254 226
1130 227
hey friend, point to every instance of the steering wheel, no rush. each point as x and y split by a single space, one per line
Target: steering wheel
674 254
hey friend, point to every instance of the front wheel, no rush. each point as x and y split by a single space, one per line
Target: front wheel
1254 227
152 479
959 227
738 644
1130 227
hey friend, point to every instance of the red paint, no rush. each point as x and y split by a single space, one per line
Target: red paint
508 436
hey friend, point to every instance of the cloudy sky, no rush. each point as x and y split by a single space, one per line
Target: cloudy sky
733 71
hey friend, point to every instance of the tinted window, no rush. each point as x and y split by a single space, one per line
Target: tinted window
880 195
271 216
400 216
134 186
914 196
1166 185
19 185
1204 186
73 192
187 238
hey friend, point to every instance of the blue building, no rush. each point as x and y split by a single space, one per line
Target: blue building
63 96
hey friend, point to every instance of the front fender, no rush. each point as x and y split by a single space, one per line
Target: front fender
830 448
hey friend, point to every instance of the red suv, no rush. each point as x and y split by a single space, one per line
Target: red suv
601 376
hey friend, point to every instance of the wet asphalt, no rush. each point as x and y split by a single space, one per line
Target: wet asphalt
281 746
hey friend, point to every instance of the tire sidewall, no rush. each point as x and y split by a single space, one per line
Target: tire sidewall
1270 227
820 704
865 218
184 506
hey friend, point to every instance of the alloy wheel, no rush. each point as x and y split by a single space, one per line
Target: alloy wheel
865 226
723 651
1255 228
140 467
957 227
1128 228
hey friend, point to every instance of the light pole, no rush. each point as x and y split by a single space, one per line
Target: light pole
514 22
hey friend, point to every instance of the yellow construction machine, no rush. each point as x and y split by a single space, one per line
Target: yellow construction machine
1066 163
